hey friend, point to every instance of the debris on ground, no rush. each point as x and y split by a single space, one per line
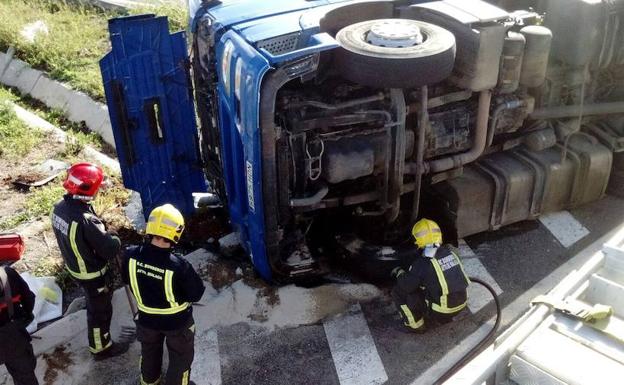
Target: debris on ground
230 244
220 274
31 31
205 224
279 307
58 361
48 299
76 305
34 179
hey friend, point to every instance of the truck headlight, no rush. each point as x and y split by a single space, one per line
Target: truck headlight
225 65
238 74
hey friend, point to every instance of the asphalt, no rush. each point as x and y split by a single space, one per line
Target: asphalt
517 257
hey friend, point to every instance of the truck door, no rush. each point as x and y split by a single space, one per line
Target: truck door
148 91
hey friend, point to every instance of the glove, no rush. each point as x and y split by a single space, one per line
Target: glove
397 272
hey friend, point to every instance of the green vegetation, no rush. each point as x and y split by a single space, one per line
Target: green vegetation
76 38
78 134
109 203
16 139
38 203
54 267
70 51
178 16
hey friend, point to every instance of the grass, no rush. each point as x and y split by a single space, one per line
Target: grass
77 38
54 267
79 135
109 204
178 16
38 203
16 139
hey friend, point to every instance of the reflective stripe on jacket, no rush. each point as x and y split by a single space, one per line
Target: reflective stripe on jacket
442 278
164 286
85 245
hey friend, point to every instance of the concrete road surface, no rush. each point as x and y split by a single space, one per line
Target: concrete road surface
342 334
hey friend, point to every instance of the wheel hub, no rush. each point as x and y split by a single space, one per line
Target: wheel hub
394 33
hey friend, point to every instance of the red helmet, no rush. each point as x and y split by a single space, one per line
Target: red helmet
84 180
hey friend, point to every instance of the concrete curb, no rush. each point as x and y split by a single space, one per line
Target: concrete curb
134 209
77 106
35 121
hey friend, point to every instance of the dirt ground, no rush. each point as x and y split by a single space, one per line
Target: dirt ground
42 256
41 245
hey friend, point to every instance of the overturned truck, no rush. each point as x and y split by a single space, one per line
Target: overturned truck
328 127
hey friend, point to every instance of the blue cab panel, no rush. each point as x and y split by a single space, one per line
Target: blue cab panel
146 80
152 112
239 93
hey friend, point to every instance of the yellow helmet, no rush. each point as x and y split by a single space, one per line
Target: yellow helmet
167 222
426 232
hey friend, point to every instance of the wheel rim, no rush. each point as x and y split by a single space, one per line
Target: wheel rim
394 33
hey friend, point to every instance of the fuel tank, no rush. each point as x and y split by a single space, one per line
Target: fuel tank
521 184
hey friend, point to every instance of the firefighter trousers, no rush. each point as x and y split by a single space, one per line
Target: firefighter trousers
415 313
181 348
16 353
99 313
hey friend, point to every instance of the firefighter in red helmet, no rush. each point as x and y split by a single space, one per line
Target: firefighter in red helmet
87 247
16 312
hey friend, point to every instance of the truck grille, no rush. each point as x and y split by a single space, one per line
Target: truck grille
280 44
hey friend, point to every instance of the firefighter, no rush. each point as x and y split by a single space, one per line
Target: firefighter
16 312
87 248
164 286
433 290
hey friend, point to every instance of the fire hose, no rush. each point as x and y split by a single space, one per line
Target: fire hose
483 343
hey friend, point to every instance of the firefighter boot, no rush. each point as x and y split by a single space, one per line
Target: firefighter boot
116 349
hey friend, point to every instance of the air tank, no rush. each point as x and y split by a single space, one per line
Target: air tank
536 52
511 63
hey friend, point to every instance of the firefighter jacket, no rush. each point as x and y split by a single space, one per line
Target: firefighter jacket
21 297
441 277
85 245
164 286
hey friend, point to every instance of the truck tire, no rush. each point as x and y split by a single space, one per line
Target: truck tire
417 65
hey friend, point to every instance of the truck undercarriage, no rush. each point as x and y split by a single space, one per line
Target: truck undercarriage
493 117
371 114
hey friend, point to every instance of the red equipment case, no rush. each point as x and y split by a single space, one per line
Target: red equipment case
11 247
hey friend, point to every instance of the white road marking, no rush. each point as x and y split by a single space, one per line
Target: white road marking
478 296
510 312
206 369
353 349
564 227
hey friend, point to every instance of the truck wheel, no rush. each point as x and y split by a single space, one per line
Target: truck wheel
395 53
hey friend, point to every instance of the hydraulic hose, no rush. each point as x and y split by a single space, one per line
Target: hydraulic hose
483 343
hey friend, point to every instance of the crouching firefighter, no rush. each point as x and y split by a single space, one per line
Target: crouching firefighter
16 306
87 248
433 290
164 286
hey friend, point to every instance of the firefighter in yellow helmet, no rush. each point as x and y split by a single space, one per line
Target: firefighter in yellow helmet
433 290
165 287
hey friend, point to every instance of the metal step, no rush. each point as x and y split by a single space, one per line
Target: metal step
614 261
564 359
605 291
523 372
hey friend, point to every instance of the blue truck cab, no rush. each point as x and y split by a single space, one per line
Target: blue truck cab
327 127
